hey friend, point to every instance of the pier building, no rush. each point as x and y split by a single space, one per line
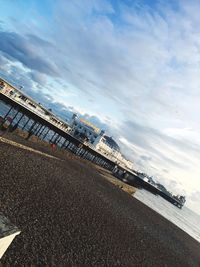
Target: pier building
84 130
108 146
97 139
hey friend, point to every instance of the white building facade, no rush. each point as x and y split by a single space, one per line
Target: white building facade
97 139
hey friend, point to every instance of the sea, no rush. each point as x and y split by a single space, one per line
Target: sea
184 218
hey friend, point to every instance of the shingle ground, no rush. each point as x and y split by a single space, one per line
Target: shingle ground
70 216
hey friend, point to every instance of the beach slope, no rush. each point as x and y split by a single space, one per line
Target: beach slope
69 215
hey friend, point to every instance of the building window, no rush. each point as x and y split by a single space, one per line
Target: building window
2 85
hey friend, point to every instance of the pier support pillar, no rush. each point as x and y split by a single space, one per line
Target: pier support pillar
51 140
23 128
48 130
8 112
30 131
4 118
38 129
40 132
17 123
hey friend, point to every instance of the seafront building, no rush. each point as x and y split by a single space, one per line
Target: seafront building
97 138
78 127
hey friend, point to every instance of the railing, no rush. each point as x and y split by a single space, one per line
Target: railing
35 111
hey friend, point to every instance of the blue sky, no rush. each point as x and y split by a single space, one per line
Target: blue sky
133 67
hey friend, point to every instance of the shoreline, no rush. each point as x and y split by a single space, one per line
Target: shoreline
194 234
68 214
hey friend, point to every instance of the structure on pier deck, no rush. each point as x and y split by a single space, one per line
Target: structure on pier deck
97 139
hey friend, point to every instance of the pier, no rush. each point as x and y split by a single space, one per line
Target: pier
40 126
40 122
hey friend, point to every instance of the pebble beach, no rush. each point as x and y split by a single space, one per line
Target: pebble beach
69 215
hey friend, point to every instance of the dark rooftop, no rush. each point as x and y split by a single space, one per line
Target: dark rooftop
112 143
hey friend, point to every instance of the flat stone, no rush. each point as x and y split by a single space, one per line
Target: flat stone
6 227
7 233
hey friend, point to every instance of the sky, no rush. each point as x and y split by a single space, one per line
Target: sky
131 67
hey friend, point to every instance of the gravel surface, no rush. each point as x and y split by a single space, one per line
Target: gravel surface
70 216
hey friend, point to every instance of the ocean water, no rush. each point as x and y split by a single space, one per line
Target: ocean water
184 218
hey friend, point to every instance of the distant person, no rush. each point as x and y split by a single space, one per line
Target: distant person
53 146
